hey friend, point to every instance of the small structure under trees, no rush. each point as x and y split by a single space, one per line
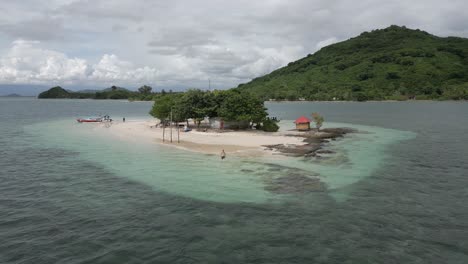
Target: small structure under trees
219 123
225 109
302 123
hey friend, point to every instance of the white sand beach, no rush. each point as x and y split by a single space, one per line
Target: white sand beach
239 143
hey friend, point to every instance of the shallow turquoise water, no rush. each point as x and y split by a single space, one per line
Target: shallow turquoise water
205 177
357 156
395 194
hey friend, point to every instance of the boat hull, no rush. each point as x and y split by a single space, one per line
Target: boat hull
88 120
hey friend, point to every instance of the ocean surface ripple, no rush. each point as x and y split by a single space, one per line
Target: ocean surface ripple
60 202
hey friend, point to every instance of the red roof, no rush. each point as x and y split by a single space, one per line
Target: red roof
302 120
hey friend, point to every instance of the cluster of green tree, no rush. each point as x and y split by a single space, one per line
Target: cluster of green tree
144 93
111 93
230 105
395 63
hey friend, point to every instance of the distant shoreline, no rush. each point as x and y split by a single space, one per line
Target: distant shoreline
268 101
20 96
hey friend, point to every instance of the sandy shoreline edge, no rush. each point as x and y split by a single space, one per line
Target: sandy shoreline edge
238 143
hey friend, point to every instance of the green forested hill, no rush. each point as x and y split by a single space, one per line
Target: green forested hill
114 92
392 63
55 92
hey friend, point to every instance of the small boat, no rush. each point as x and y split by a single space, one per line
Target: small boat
89 120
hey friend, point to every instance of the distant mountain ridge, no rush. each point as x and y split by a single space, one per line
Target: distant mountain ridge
86 91
115 88
144 93
12 95
21 89
391 63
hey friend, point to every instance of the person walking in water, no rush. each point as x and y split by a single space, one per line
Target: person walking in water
223 154
123 119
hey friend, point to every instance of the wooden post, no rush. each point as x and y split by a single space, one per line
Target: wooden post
164 127
170 125
178 133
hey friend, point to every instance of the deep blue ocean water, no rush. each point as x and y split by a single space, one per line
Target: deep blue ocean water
60 204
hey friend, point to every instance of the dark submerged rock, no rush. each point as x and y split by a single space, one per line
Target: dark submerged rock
295 183
324 151
314 143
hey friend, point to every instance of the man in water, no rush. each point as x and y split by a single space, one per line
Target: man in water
223 154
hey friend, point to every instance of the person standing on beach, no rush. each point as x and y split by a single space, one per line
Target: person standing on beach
123 119
223 154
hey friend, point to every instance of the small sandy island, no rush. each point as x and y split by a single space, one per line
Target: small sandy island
239 143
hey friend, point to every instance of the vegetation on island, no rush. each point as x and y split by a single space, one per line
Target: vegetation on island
230 105
318 120
395 63
144 93
270 125
55 92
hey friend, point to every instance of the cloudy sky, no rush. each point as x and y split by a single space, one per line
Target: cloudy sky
182 43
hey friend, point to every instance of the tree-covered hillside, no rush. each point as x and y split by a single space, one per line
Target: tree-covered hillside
392 63
55 92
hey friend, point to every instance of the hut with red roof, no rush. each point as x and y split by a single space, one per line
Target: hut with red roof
302 123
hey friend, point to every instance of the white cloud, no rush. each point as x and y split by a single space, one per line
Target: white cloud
28 62
110 69
268 60
326 42
184 43
61 68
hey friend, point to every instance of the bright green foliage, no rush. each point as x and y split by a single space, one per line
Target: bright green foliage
196 104
162 107
238 106
457 92
392 63
318 120
113 94
269 125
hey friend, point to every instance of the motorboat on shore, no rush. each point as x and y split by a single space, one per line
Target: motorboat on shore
89 120
99 118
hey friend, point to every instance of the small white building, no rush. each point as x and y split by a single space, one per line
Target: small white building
219 123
